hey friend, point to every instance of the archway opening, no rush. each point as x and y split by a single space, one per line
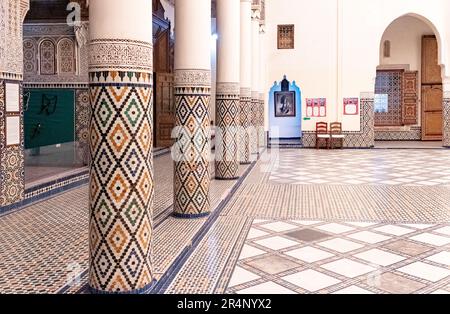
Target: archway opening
408 85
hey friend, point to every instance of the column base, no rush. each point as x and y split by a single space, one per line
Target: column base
226 179
144 290
190 216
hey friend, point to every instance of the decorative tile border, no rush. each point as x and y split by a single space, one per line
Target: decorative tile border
359 139
414 134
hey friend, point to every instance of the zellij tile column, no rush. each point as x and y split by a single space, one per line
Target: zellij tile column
228 89
256 103
245 107
446 113
192 148
121 175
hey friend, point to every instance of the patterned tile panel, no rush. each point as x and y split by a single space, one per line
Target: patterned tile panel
446 118
12 176
82 116
245 116
121 184
227 111
414 134
193 147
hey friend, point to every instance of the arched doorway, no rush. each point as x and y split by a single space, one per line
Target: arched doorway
408 85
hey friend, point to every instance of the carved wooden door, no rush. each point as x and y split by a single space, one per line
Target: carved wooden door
164 109
431 91
432 112
410 97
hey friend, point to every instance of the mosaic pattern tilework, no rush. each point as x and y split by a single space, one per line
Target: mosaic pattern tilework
254 138
121 186
342 258
446 118
261 131
415 134
12 176
390 83
193 147
362 139
227 112
82 116
245 123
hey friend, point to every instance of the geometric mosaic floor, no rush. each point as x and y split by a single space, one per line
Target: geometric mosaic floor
279 235
285 257
367 167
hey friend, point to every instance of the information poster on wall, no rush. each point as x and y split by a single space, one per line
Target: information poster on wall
12 97
12 130
351 106
316 107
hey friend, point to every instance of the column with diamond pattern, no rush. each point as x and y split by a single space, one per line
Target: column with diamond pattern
228 89
121 175
245 106
192 148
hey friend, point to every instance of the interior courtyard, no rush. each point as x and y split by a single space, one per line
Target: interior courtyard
224 147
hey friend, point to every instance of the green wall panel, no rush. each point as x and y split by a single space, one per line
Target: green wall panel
49 117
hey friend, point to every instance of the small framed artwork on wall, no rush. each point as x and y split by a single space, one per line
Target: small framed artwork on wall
286 36
351 106
316 107
285 104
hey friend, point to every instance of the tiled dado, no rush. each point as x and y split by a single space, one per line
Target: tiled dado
446 113
48 189
12 178
354 139
414 134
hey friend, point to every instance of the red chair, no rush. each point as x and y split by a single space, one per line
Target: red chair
322 134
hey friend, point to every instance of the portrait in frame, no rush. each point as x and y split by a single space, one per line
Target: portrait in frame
285 105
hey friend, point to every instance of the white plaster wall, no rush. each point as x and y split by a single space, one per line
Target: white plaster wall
337 45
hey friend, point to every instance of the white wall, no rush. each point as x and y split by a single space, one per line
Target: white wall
338 45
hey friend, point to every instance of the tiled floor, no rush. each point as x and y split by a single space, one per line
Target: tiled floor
277 234
322 257
329 237
370 167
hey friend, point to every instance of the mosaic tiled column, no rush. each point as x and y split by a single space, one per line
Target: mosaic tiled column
227 89
245 107
446 119
121 175
192 149
254 138
261 133
12 165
